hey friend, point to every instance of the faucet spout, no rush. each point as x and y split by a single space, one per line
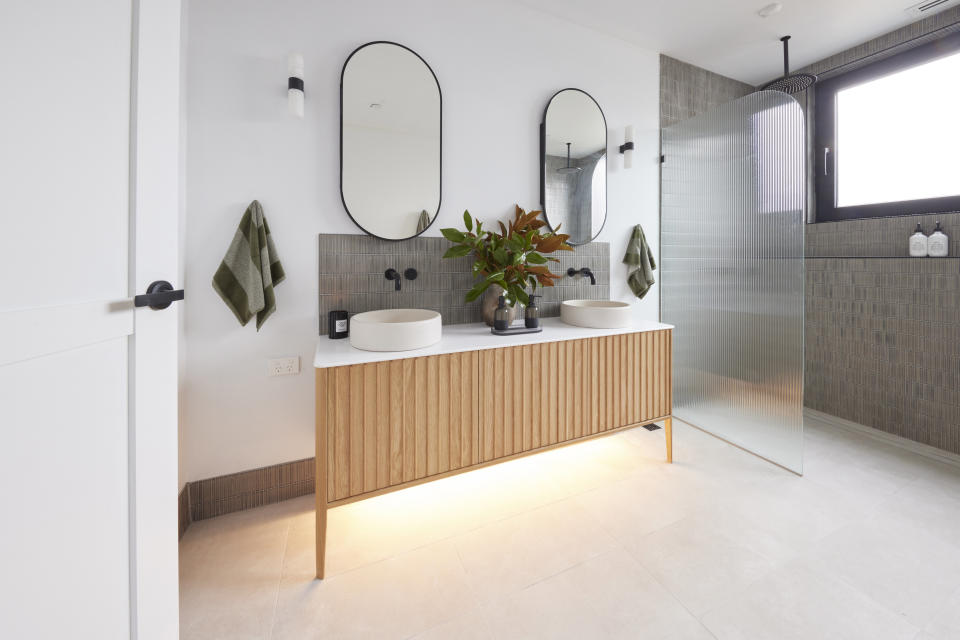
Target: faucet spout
393 274
583 271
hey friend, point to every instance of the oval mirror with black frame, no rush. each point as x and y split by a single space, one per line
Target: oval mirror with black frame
573 165
390 141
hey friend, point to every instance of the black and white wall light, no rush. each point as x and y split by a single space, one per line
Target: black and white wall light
627 147
295 84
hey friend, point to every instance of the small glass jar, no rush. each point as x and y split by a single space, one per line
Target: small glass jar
501 317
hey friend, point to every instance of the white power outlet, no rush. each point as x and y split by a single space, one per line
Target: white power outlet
283 366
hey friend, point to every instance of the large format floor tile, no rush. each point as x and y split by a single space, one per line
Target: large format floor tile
795 602
604 540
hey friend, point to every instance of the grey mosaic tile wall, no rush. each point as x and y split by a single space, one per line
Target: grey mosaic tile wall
352 266
687 91
883 344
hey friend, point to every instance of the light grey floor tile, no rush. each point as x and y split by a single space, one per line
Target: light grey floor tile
795 602
896 562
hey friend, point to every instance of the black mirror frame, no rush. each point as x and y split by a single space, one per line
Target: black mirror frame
543 163
343 71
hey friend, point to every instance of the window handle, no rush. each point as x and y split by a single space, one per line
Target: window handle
826 165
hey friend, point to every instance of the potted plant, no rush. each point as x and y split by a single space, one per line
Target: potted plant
506 263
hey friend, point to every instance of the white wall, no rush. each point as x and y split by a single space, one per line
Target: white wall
497 64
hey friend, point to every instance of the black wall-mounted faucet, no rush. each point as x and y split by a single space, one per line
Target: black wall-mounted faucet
584 271
393 274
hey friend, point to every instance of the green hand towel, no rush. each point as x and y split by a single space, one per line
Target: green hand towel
423 221
250 269
640 262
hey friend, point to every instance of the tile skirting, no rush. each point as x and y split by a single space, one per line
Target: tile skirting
925 450
248 489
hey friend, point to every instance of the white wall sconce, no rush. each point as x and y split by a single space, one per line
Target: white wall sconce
627 147
295 84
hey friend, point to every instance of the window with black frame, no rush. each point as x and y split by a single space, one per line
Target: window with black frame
888 136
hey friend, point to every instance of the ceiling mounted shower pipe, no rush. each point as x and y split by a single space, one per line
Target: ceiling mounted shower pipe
790 83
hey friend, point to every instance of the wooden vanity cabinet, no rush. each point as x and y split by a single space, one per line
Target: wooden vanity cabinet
392 424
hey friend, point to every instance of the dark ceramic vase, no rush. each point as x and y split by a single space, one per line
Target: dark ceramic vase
489 301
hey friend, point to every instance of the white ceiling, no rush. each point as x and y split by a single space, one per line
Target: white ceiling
729 38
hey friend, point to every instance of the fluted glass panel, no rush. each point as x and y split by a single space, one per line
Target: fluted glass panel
732 267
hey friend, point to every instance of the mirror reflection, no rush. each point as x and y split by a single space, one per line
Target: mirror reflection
390 141
573 165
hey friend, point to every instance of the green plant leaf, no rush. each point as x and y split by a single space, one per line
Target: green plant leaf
467 220
453 235
535 258
458 251
495 277
476 291
519 295
500 255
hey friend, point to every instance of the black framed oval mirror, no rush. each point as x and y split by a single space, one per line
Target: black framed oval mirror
573 165
390 140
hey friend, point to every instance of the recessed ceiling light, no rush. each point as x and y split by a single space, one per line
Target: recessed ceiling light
769 10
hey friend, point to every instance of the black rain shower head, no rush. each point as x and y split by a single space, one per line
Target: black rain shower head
568 169
790 83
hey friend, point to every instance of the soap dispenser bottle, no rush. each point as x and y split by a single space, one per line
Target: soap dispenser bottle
501 317
532 315
938 244
918 243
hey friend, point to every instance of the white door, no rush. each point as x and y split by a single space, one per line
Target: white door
89 109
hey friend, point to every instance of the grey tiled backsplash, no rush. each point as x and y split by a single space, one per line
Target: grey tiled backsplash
352 266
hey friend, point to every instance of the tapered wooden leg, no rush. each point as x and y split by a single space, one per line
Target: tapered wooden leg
320 475
668 433
321 536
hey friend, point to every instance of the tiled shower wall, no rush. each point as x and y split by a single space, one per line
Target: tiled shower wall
883 332
687 91
352 277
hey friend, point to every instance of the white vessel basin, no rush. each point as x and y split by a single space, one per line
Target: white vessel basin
395 329
596 314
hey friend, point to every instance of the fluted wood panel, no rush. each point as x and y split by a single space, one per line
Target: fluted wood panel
389 423
539 395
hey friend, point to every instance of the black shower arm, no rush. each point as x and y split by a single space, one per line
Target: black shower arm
786 56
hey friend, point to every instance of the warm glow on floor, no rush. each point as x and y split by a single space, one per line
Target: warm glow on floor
438 509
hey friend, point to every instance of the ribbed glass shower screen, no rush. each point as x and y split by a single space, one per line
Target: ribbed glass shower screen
732 223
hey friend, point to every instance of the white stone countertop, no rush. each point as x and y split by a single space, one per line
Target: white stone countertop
468 337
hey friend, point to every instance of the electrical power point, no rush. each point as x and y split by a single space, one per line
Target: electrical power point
283 366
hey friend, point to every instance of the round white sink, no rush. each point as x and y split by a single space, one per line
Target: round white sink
395 329
596 314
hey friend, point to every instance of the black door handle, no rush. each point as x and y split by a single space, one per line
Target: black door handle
159 295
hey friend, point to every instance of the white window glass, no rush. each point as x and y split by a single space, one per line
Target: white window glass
898 137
